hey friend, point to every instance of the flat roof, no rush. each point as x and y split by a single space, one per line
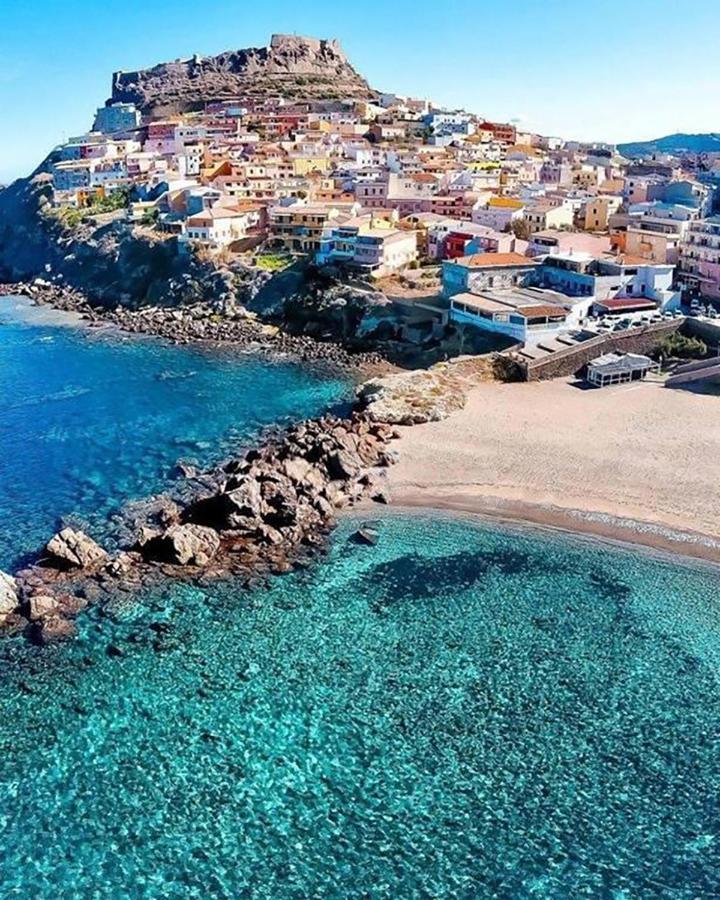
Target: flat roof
612 363
519 301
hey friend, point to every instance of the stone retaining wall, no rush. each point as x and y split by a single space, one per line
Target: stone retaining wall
568 362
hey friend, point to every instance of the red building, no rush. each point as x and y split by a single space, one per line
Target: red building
455 243
505 134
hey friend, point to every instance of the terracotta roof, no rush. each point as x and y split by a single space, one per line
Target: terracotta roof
625 259
494 260
626 303
532 312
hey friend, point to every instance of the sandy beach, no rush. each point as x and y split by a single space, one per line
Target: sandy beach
636 462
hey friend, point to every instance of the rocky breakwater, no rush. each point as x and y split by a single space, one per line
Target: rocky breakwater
264 512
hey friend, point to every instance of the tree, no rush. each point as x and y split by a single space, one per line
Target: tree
521 229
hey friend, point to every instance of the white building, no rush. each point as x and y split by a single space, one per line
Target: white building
498 213
528 315
219 227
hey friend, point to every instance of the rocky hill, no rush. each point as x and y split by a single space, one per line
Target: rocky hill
676 144
293 67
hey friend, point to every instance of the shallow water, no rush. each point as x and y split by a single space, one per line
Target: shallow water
461 711
465 710
89 420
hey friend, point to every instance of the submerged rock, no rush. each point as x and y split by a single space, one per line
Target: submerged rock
75 550
52 628
367 536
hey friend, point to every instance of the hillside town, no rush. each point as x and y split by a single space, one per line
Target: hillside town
537 242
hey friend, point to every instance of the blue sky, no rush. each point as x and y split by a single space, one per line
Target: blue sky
605 70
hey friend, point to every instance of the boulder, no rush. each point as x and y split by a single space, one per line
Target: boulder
185 545
40 606
297 469
280 503
388 457
269 535
52 628
122 564
73 549
186 468
367 536
343 464
8 596
238 509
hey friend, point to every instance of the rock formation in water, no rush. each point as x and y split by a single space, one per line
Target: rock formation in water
264 512
292 67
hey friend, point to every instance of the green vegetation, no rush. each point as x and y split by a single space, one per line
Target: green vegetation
149 217
272 262
521 229
678 346
70 218
109 203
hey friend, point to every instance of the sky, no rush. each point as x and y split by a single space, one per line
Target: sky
605 70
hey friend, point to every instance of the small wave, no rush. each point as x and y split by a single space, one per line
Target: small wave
173 376
67 394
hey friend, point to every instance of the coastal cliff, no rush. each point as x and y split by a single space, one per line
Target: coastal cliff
103 256
112 266
293 67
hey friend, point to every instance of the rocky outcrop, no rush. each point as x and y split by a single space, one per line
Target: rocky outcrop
184 545
292 67
263 512
200 322
412 398
425 395
41 605
104 257
72 549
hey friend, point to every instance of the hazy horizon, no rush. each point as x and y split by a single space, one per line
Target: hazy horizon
610 73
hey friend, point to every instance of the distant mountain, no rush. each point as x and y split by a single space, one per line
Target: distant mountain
674 144
293 67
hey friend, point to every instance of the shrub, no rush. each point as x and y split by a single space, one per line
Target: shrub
272 262
679 346
506 369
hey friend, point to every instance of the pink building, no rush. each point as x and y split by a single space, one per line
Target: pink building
699 263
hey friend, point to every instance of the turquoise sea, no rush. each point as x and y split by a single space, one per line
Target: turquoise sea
89 420
464 710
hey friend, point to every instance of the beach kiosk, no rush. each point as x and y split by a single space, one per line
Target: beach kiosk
619 368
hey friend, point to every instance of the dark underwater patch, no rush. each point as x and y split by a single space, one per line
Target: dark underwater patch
415 577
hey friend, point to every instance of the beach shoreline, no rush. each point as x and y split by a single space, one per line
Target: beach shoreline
682 545
633 464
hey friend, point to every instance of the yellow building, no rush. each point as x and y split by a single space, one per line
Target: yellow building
303 165
598 212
